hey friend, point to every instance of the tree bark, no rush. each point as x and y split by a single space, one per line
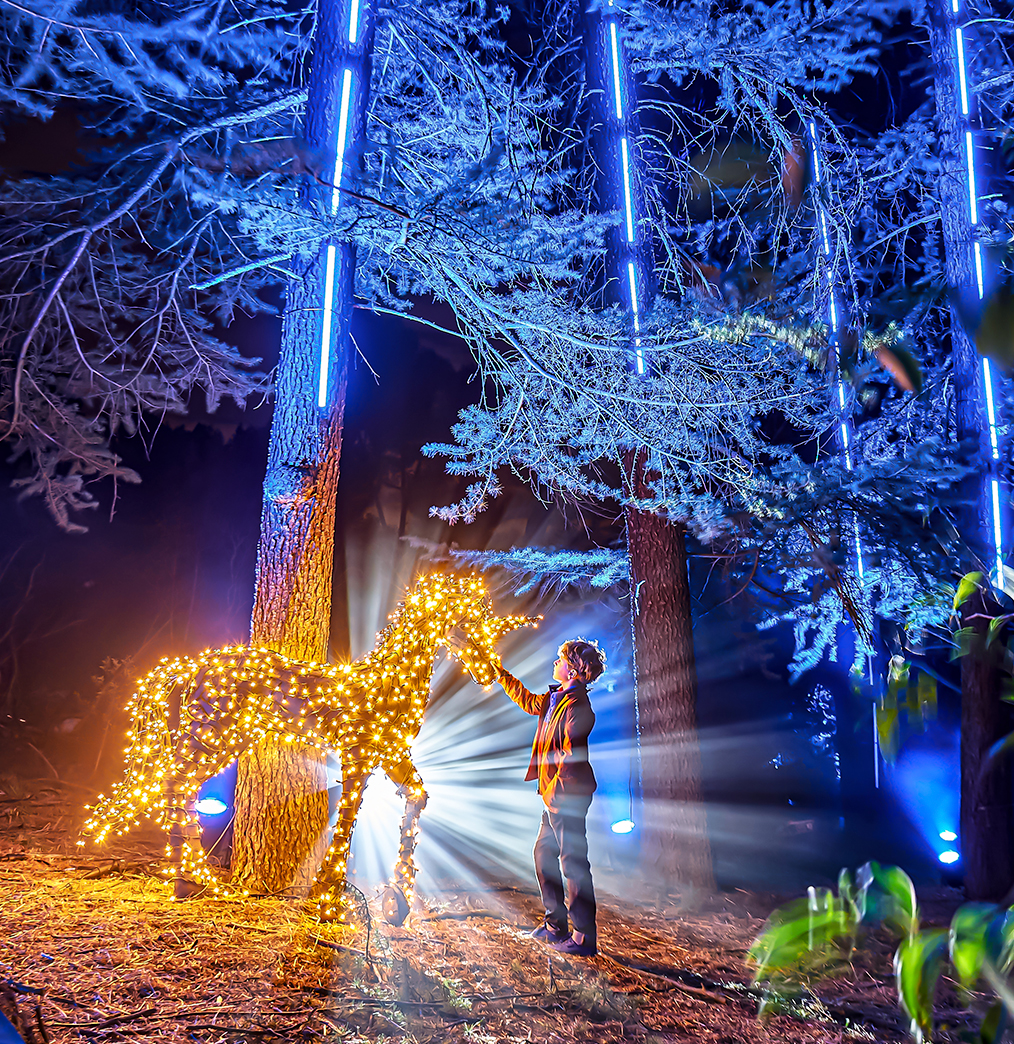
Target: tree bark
987 837
987 798
281 801
675 836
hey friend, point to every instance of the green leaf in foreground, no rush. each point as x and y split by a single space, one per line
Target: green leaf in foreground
917 967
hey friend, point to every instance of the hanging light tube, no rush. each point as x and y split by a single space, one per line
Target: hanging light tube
325 337
617 90
336 180
973 214
353 21
627 205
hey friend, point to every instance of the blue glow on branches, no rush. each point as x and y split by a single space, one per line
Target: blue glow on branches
628 206
354 21
617 89
325 337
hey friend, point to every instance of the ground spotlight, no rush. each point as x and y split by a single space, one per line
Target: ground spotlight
622 826
949 856
210 806
948 835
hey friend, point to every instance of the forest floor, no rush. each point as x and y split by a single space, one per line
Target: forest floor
93 949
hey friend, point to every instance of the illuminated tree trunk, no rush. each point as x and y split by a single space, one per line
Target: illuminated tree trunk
281 788
987 811
674 831
675 836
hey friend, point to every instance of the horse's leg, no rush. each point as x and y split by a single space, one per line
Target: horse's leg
193 872
399 894
325 898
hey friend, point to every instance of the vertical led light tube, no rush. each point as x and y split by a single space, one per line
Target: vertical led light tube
994 491
338 172
617 132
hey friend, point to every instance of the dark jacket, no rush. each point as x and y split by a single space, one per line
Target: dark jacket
560 750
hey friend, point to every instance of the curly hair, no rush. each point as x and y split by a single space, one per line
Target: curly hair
585 659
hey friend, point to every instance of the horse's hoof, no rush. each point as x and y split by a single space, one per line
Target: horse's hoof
394 905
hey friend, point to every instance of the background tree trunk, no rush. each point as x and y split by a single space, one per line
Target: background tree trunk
987 798
987 837
675 836
281 801
674 829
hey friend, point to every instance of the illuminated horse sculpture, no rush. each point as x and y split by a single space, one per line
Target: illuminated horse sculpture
192 717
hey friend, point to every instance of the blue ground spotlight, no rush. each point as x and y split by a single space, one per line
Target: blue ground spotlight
211 806
214 807
925 782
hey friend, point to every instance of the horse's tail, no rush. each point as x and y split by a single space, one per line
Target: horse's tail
155 711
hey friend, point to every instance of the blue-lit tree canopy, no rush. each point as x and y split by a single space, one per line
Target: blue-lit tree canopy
778 311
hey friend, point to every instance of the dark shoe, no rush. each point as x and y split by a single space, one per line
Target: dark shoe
547 933
575 949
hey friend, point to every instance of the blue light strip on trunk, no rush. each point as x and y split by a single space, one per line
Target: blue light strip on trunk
338 172
325 336
987 371
845 430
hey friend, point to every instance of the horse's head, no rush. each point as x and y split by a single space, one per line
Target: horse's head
441 603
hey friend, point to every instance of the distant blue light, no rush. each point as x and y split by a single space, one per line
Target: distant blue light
210 806
948 835
949 856
354 21
622 826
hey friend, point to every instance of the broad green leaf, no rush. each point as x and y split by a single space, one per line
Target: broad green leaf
993 1025
902 909
963 639
803 937
968 940
1000 941
970 583
917 967
1001 987
996 626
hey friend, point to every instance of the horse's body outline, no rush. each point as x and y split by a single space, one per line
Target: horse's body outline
192 717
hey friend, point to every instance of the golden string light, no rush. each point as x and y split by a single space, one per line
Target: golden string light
191 718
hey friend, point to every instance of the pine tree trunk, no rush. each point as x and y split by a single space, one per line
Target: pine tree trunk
987 838
281 788
987 799
675 834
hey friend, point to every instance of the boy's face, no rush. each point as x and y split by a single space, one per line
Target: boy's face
561 670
